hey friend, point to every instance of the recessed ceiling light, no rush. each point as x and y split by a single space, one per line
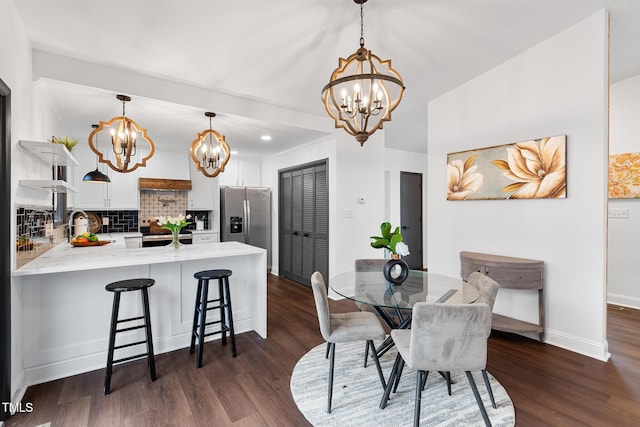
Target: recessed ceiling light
233 152
265 138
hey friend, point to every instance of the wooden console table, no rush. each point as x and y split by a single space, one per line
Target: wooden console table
510 273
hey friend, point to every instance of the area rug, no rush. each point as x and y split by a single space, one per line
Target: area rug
357 392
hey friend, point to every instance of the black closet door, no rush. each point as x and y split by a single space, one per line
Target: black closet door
304 222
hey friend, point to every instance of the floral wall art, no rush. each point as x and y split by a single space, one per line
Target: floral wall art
534 169
624 176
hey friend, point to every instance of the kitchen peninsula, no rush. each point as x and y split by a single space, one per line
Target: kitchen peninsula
65 309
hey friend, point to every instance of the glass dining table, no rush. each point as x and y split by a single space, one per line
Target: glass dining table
370 287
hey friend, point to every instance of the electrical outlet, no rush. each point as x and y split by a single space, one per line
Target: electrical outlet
105 220
618 213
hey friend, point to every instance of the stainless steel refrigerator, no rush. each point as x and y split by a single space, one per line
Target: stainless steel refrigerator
245 216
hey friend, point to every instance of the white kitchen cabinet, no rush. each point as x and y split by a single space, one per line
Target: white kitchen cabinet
241 172
121 193
199 237
167 165
205 192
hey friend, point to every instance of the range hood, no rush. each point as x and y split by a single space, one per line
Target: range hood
164 184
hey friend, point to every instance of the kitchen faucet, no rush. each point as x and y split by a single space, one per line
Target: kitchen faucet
71 215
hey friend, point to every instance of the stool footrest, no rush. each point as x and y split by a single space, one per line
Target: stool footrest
131 328
126 359
129 345
130 319
208 334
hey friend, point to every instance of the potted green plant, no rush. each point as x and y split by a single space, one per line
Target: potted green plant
395 270
69 143
392 241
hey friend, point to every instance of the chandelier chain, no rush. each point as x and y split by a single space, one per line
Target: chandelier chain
362 24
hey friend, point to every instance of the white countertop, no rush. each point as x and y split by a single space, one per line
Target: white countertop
66 258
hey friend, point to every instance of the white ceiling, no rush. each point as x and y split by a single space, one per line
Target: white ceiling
283 52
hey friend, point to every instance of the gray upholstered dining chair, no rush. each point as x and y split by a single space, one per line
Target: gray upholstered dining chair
486 287
443 337
344 327
487 291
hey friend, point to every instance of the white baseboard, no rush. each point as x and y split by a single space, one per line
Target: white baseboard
623 300
594 349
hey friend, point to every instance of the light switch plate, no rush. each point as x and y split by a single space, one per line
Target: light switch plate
347 213
618 213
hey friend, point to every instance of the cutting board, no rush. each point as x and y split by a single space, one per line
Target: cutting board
84 244
154 228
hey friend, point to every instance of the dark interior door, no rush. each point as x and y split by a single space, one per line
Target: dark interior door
5 245
411 217
304 222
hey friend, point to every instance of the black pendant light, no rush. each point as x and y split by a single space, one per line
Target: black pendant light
95 175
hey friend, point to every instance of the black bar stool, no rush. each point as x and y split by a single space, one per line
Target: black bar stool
117 288
202 306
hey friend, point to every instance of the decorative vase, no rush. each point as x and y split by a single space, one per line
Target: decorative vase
396 270
175 240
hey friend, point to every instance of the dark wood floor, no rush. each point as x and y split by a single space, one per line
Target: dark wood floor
549 386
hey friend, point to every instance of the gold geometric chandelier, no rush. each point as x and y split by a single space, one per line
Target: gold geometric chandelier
362 91
124 142
210 151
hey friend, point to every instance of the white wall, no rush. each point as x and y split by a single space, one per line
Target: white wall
360 173
397 161
624 233
15 71
557 87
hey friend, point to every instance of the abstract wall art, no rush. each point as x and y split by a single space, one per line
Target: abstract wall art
534 169
624 176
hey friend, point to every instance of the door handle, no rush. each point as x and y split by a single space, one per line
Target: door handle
305 235
404 227
295 233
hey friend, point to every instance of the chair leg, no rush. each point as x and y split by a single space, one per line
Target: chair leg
387 390
416 411
326 355
483 411
398 375
151 359
203 320
232 333
447 376
424 383
377 361
366 352
194 329
332 353
222 297
488 384
112 341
